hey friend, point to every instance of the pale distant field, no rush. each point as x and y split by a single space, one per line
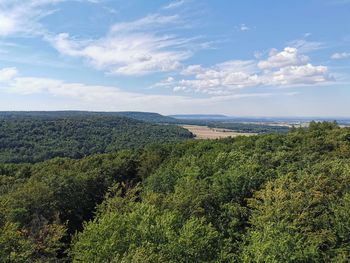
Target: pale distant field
204 132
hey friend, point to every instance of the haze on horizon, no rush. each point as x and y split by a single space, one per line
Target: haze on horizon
238 58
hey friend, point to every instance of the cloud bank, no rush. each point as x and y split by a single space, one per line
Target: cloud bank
342 55
286 68
108 97
131 48
22 17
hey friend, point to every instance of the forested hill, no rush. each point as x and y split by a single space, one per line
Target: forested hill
155 118
141 116
147 116
266 198
32 137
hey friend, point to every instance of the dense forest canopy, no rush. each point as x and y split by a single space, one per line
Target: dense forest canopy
38 136
32 137
141 116
213 121
265 198
148 116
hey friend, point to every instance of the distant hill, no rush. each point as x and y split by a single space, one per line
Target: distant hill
232 123
250 125
147 116
37 136
137 115
198 116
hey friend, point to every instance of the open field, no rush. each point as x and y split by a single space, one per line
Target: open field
204 132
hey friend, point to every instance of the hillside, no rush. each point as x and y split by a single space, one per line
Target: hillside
137 115
199 116
147 116
265 198
32 137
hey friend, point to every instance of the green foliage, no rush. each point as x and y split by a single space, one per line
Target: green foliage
49 201
144 233
147 116
293 219
14 246
272 198
38 137
266 198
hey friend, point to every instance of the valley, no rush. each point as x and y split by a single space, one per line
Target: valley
205 132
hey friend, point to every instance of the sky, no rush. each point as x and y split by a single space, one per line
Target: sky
239 58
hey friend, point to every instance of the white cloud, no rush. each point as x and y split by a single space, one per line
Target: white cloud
23 16
305 46
174 4
98 97
7 74
192 70
281 69
243 27
169 81
298 75
342 55
288 57
148 22
127 51
95 94
7 24
180 88
18 16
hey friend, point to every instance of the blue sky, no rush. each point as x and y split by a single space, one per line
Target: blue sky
243 58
